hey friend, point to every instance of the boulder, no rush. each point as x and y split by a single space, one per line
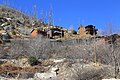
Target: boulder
46 75
59 60
26 75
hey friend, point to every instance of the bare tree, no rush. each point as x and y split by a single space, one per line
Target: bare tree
38 47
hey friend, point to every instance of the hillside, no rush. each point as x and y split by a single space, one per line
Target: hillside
54 53
14 18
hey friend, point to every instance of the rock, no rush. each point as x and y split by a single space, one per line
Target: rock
2 62
13 17
58 60
46 75
55 69
2 78
47 62
84 71
26 75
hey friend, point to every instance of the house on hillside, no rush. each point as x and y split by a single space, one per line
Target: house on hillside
50 32
82 30
55 32
87 31
36 32
90 29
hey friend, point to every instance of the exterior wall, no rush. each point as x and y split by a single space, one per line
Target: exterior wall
49 33
34 33
82 31
86 31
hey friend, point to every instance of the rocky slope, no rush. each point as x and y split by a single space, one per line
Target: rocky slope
57 69
14 18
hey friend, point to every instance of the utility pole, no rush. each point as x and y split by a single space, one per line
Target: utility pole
35 16
42 16
50 19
